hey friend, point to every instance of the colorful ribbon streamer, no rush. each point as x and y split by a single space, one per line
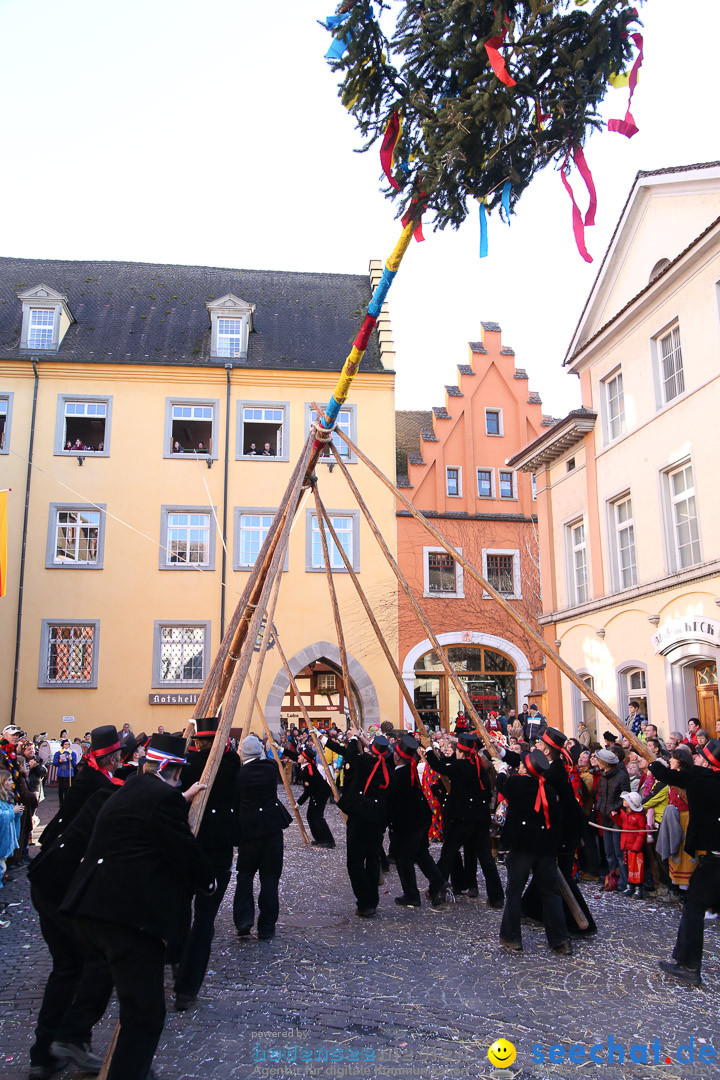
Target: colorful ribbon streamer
628 127
505 199
387 150
497 62
578 223
339 45
407 218
483 231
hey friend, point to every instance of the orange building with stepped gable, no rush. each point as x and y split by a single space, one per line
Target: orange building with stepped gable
451 461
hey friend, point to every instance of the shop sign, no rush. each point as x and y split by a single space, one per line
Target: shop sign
173 699
694 628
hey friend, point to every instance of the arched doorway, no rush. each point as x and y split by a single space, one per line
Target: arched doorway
326 658
487 675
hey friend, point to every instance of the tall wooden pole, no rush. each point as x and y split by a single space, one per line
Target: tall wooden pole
283 777
538 639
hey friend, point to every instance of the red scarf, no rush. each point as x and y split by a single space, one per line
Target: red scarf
414 777
91 758
380 761
541 800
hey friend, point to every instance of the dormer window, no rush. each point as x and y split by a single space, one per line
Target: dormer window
231 323
46 318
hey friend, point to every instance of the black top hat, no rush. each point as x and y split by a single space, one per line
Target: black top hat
407 744
536 762
104 740
711 753
206 726
308 750
610 736
167 749
554 738
129 747
468 740
380 744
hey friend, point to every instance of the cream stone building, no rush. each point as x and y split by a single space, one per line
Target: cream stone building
628 485
150 417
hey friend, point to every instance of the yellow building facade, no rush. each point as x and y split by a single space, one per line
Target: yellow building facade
162 410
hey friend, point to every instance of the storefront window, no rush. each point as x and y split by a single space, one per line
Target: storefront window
487 676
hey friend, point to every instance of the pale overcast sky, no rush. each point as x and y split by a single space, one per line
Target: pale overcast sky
211 133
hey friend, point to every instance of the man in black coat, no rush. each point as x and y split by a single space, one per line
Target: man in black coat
316 792
532 835
96 771
467 812
217 837
366 801
141 862
410 820
702 788
261 818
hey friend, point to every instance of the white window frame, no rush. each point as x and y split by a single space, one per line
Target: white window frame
164 563
276 406
501 427
87 399
44 321
251 511
457 494
492 494
533 486
661 382
612 401
669 503
338 567
347 422
615 529
158 683
513 485
51 561
575 599
7 399
516 593
459 591
230 307
188 453
44 681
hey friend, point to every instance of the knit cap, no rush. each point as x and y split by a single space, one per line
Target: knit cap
251 749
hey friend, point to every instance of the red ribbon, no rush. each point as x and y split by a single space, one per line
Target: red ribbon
541 800
578 223
418 233
414 776
387 149
628 127
91 758
713 761
380 761
473 754
497 62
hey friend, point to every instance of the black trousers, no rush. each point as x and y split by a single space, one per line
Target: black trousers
470 834
316 821
78 987
703 893
532 906
137 963
63 783
364 844
264 856
520 864
196 953
413 849
464 872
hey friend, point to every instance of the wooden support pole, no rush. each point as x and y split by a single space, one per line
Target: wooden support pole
517 618
490 745
419 723
335 611
306 715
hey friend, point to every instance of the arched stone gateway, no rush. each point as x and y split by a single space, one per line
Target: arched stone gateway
323 650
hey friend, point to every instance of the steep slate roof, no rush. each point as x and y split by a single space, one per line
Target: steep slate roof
143 313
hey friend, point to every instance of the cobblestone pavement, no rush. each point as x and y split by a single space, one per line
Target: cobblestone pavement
412 993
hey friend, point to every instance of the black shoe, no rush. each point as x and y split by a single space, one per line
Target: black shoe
366 913
265 935
565 949
323 845
678 971
48 1070
473 893
514 946
497 904
243 931
404 902
442 896
184 1002
81 1055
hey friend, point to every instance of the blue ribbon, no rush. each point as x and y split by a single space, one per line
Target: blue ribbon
507 188
381 291
339 45
483 232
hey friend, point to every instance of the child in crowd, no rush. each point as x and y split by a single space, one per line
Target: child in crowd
9 821
631 819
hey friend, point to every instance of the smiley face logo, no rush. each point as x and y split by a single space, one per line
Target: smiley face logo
502 1053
